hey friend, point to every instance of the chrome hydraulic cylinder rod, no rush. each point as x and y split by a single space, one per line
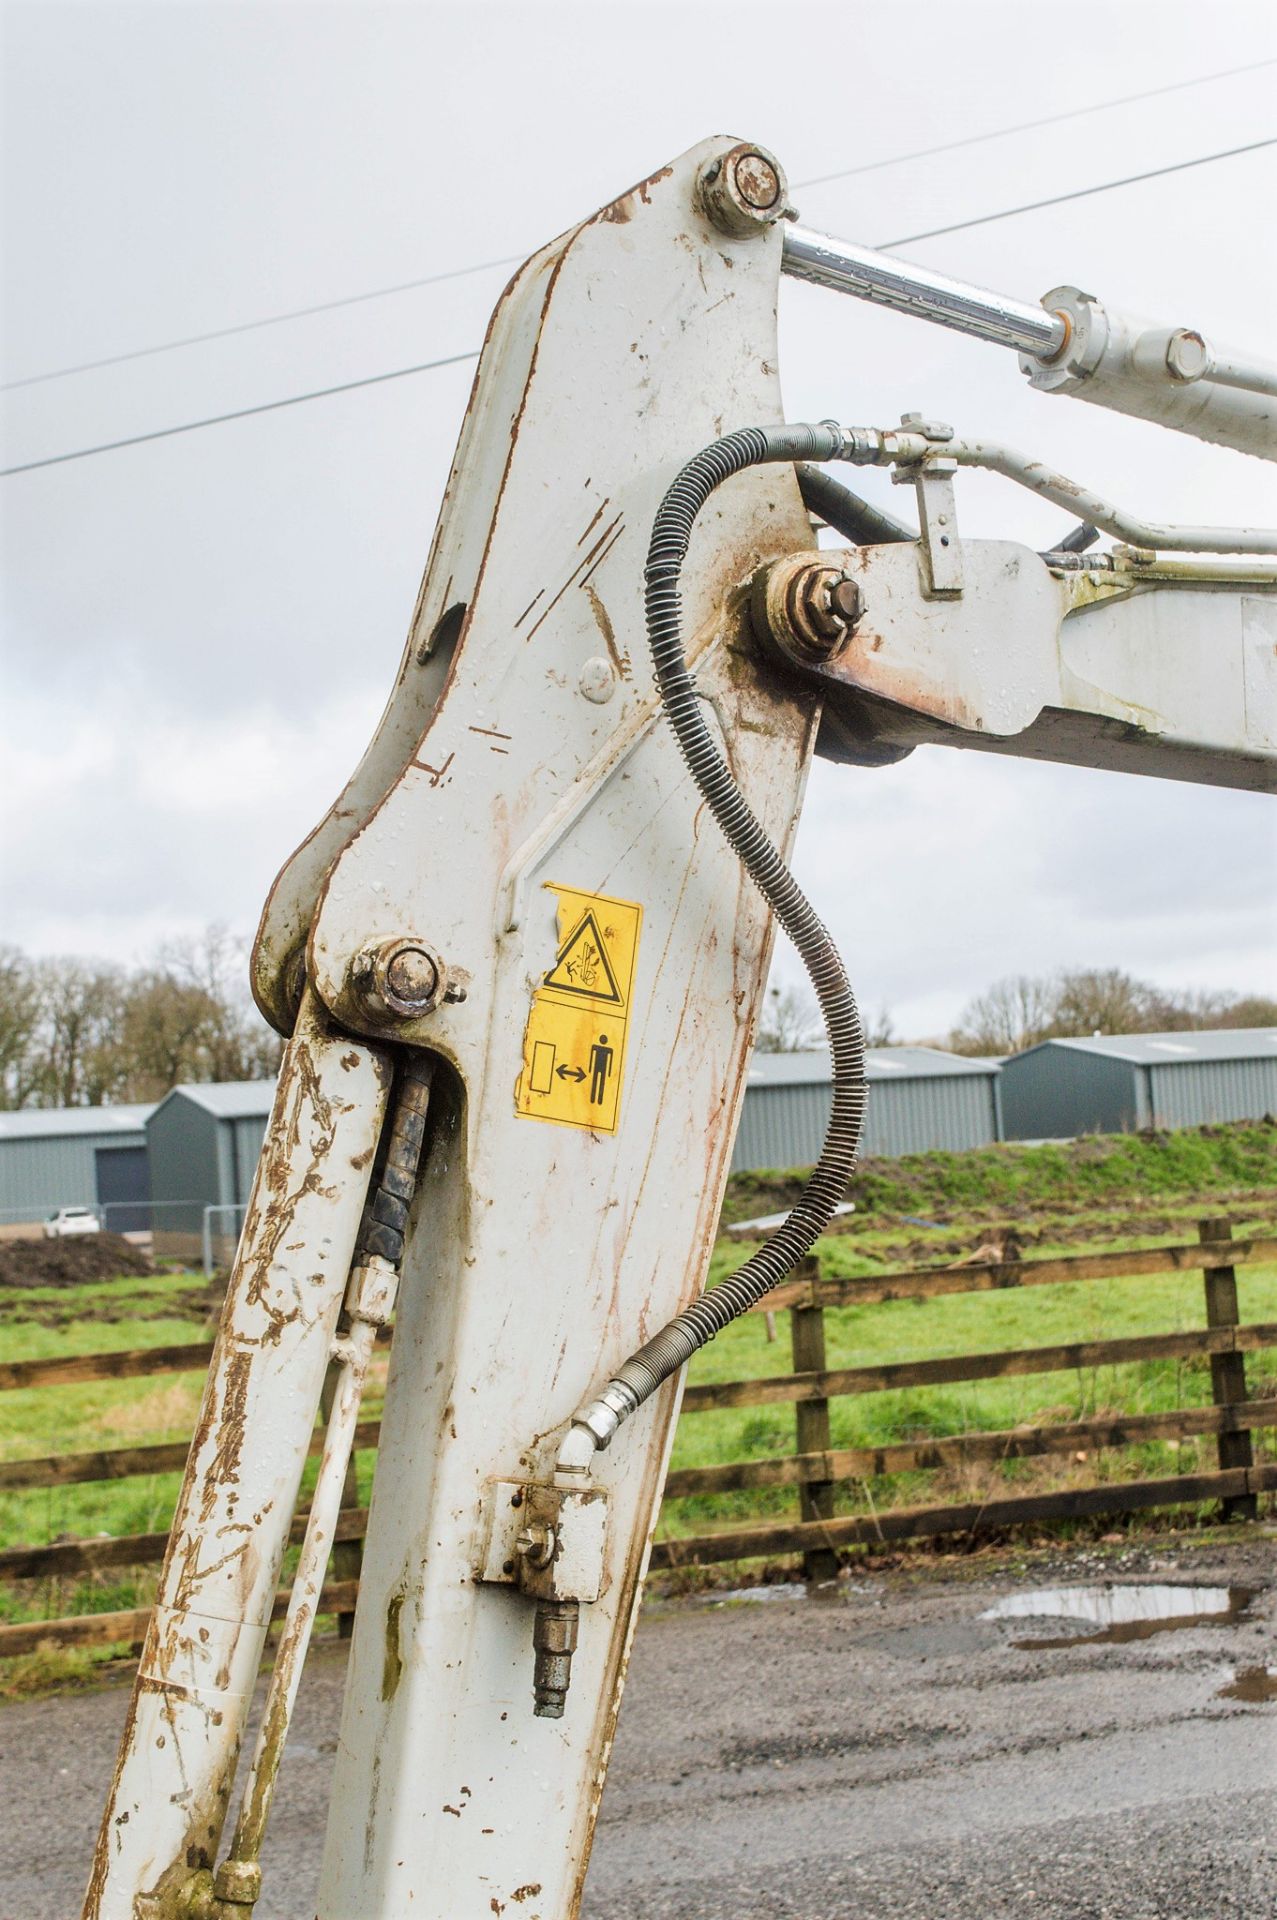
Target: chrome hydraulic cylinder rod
1069 343
846 268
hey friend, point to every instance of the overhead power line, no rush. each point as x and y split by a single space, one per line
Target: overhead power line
455 359
1030 126
1082 193
513 259
252 326
245 413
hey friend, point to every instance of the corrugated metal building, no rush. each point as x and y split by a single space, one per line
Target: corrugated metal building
203 1143
53 1157
1121 1083
920 1099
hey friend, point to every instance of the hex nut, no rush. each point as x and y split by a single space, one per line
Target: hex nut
809 606
1187 355
239 1882
743 191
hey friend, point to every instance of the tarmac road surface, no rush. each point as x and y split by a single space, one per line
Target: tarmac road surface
881 1751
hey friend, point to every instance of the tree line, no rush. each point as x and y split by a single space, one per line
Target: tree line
1023 1009
86 1033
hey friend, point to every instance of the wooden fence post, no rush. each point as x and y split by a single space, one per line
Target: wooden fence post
816 1496
347 1555
1227 1370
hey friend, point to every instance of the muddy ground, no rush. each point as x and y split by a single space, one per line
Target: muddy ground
880 1749
75 1261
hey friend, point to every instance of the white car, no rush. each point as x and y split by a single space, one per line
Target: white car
69 1220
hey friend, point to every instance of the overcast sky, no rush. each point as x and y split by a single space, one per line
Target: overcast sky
199 633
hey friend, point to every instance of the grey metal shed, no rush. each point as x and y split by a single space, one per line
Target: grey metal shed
53 1157
204 1142
920 1099
1121 1083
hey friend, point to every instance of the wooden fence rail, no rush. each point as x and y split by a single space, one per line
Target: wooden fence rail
817 1470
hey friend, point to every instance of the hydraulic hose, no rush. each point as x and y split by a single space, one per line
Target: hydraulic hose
855 519
692 1329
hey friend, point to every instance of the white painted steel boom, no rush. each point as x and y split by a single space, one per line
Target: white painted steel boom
521 968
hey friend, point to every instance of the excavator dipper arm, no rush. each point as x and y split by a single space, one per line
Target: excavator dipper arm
520 967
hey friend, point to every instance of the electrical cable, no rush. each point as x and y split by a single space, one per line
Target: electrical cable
427 366
485 266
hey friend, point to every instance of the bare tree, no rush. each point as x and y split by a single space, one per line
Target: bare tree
236 1042
1104 1000
83 1032
20 1061
1248 1010
80 1007
880 1029
1015 1013
790 1021
1019 1012
164 1034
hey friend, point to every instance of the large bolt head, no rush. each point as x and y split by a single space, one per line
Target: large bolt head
412 976
810 606
743 190
400 978
846 601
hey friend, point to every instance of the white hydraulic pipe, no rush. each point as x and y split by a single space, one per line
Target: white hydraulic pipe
908 449
1053 486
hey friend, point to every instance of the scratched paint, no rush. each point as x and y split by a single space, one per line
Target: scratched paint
195 1681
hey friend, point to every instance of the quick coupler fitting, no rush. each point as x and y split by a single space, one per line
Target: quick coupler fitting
554 1638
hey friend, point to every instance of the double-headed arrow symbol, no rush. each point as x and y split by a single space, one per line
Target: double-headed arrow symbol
570 1073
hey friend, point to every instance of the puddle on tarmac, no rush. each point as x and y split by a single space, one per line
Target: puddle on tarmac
1122 1613
822 1592
755 1596
1253 1684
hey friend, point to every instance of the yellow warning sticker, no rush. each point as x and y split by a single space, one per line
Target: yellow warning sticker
574 1045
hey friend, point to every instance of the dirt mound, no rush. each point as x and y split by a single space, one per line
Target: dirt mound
70 1262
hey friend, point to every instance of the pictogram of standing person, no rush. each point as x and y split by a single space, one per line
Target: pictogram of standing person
601 1057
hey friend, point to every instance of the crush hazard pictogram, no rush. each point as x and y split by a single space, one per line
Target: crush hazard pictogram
583 966
575 1040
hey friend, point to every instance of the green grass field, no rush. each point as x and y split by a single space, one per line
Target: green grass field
1096 1195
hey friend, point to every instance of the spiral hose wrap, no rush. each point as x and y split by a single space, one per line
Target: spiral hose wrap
692 1329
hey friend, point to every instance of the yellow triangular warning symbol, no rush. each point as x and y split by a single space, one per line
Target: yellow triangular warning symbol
583 966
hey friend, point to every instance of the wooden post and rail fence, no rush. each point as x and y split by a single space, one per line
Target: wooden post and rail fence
817 1471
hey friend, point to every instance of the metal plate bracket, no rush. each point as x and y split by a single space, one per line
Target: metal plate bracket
548 1541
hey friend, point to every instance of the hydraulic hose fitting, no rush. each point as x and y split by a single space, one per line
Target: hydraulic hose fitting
593 1426
554 1637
